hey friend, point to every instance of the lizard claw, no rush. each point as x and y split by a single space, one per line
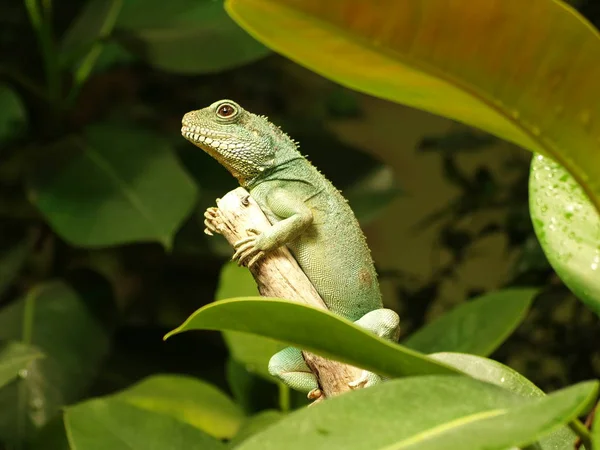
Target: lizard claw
212 220
316 395
365 380
247 251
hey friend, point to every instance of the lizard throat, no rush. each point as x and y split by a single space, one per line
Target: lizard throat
238 157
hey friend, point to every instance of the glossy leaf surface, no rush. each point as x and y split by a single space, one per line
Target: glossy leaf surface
435 412
524 71
567 227
477 327
302 326
496 373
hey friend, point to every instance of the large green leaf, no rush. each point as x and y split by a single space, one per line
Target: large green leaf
250 350
476 327
15 358
103 424
303 327
12 113
524 71
118 185
60 323
254 424
567 227
429 412
496 373
189 400
186 36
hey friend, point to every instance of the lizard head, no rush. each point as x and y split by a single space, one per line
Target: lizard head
242 142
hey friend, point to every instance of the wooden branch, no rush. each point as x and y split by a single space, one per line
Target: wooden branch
279 275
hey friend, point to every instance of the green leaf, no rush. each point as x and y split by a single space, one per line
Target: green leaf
12 114
186 36
56 320
303 327
94 22
436 412
13 259
567 227
103 424
188 400
507 67
255 424
119 185
477 327
254 352
496 373
15 358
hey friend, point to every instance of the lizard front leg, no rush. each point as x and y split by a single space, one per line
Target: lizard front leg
296 217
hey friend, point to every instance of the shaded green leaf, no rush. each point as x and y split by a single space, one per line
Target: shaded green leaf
102 424
15 358
94 22
496 373
56 320
478 326
186 36
52 436
250 350
302 326
13 259
567 227
255 424
12 114
472 62
436 412
250 391
119 185
189 400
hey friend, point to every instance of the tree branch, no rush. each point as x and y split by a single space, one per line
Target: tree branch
279 275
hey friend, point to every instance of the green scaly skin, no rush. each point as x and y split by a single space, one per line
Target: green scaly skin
308 215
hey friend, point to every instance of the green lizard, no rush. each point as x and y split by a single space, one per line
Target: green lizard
308 215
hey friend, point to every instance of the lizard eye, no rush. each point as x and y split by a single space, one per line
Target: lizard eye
226 110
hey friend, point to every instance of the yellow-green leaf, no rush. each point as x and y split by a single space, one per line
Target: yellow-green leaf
189 400
526 71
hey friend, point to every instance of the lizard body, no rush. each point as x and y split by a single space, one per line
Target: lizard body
308 215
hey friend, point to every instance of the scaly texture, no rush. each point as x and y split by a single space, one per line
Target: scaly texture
308 215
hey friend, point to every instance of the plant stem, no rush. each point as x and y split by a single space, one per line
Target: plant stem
583 433
284 398
42 25
87 64
26 338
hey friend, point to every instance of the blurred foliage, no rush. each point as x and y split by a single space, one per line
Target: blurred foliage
102 250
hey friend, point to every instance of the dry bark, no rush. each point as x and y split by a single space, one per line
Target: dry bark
279 275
